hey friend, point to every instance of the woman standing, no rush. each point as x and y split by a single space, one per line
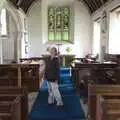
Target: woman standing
53 75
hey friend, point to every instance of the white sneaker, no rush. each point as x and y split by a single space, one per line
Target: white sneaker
50 103
59 104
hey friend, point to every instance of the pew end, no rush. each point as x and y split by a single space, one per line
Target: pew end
104 102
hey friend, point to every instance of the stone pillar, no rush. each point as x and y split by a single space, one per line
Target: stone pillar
1 56
2 2
103 42
19 46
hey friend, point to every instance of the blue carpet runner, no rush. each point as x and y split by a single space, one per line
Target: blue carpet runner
72 109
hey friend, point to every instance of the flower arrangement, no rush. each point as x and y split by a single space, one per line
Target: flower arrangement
68 49
48 49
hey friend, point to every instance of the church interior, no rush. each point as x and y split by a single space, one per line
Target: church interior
86 36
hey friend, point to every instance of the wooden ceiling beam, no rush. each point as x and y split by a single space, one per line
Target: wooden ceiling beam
95 4
102 2
89 5
99 3
27 4
19 2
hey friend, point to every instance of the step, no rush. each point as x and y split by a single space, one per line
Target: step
65 70
65 76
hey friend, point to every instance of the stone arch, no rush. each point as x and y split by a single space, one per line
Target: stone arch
18 23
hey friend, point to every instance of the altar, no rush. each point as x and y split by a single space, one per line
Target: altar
65 60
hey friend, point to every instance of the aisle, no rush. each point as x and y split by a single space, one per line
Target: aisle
72 109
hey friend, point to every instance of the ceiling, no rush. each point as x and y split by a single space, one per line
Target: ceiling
93 5
23 4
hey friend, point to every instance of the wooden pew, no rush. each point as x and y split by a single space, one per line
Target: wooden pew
10 108
20 75
103 102
36 60
31 58
110 109
13 100
94 72
30 76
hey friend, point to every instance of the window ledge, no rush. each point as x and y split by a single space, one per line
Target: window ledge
59 42
4 36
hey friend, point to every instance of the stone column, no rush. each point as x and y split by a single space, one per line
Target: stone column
103 42
2 2
1 56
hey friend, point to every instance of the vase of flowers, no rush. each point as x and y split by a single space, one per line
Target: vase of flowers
68 49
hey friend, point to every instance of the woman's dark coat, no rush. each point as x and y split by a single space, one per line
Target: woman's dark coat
52 71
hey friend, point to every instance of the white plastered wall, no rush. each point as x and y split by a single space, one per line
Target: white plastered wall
98 14
18 26
80 25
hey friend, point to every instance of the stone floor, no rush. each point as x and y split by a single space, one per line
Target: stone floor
85 107
31 99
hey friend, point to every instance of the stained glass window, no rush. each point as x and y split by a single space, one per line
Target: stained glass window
58 23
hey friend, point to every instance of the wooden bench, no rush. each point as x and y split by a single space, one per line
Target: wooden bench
13 103
103 102
95 72
37 60
10 108
20 75
31 59
110 109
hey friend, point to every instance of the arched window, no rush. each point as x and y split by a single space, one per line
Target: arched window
3 19
58 24
114 32
96 37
